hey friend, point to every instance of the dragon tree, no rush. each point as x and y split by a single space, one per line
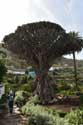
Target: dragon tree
40 44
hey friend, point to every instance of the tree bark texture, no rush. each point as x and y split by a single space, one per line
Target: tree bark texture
44 88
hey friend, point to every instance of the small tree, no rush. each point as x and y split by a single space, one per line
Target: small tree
40 44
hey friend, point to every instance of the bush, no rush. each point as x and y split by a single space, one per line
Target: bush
17 79
8 87
75 117
40 119
30 108
39 115
24 79
34 99
27 86
21 97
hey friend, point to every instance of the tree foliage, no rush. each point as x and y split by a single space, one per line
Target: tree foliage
43 39
76 40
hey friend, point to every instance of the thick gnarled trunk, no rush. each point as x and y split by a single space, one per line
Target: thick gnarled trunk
44 89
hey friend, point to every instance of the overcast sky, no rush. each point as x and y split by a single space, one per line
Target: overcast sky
67 13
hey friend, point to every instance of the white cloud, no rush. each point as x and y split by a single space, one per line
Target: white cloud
12 14
68 5
42 7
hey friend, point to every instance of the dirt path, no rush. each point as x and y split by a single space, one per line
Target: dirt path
15 119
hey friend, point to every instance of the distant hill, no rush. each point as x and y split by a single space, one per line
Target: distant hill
12 62
64 62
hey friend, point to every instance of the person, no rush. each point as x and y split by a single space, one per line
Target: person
10 100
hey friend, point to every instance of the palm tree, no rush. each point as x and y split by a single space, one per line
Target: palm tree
77 41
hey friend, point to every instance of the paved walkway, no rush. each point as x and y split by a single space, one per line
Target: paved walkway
15 119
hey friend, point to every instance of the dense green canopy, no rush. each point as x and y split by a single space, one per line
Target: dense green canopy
47 39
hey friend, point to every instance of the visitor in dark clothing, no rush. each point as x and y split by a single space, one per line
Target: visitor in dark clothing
10 100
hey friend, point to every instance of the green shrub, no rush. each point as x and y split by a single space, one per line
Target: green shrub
27 86
39 115
24 79
17 79
30 108
21 97
40 119
75 117
10 80
34 99
8 87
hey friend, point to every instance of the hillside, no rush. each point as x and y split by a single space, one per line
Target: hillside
12 61
64 62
